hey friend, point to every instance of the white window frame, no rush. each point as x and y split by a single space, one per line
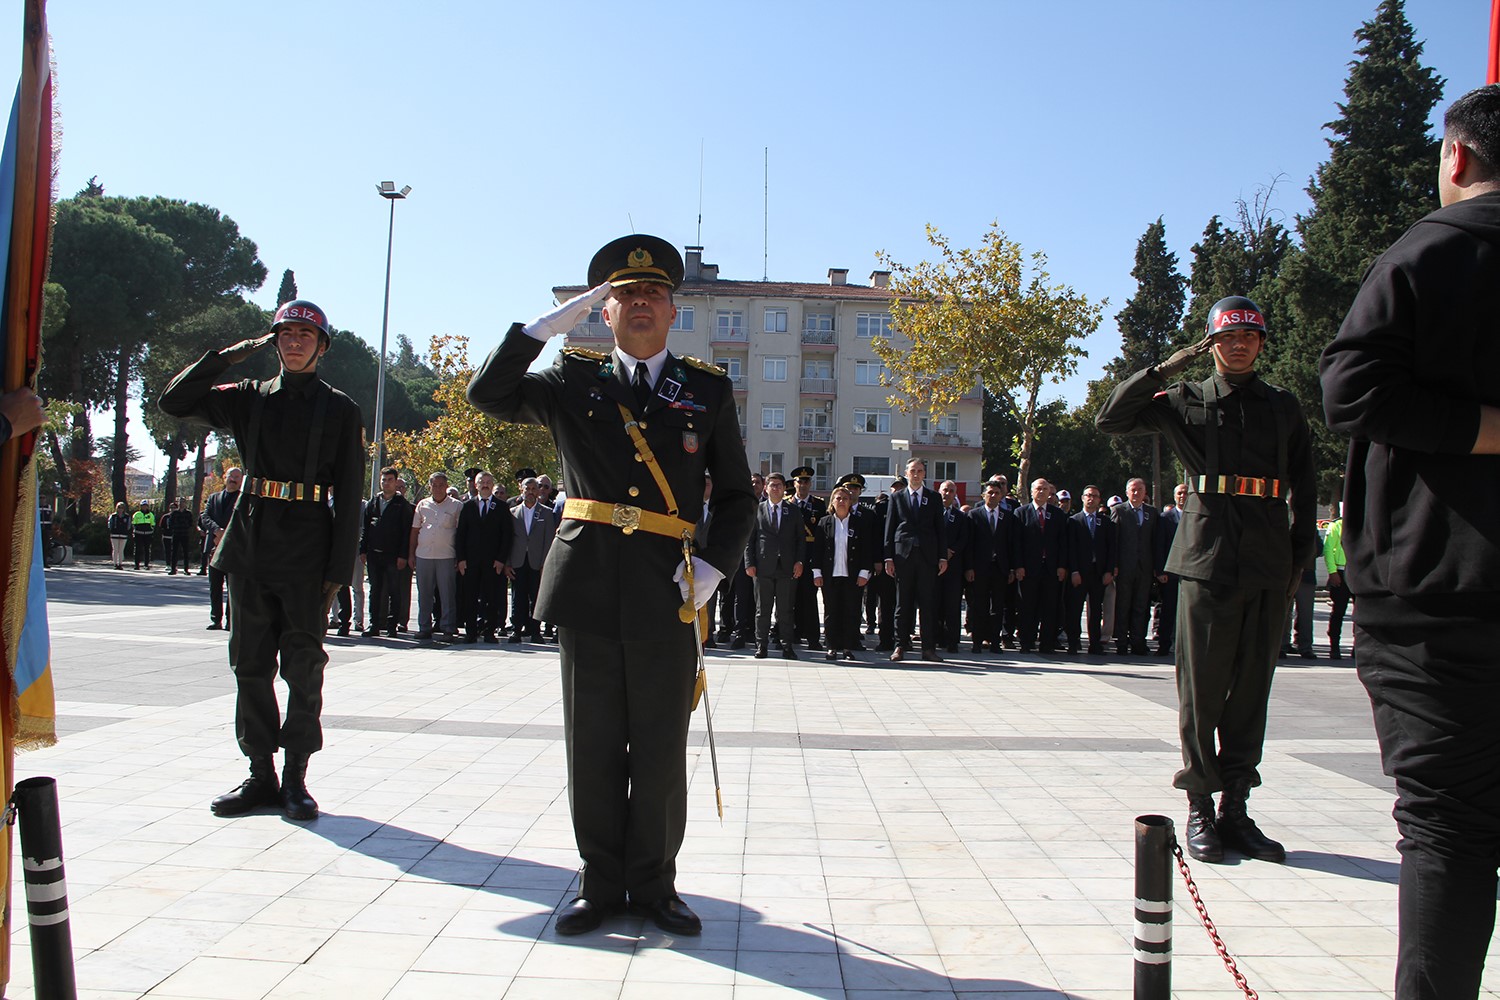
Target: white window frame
776 319
768 368
865 371
773 417
862 415
870 325
684 320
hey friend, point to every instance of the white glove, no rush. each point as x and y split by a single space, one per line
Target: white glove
706 579
568 315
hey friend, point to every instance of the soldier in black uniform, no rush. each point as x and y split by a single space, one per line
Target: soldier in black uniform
636 429
1246 448
286 551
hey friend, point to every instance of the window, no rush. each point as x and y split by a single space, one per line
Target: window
684 320
773 369
770 461
944 470
817 368
868 372
817 322
596 315
816 416
734 367
946 424
773 418
872 325
776 321
865 465
729 324
872 421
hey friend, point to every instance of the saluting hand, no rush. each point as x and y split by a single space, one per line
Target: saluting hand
1181 359
568 315
235 353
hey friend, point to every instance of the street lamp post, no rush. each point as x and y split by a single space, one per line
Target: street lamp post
387 191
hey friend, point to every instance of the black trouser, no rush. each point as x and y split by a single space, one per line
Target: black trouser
1039 609
841 604
951 605
626 707
880 605
1132 609
1166 630
1430 671
142 550
916 591
179 548
216 579
1300 615
1088 595
987 602
346 606
523 599
778 595
278 627
1339 598
805 610
742 603
1227 641
390 593
482 594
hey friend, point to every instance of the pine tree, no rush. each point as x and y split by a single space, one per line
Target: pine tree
288 290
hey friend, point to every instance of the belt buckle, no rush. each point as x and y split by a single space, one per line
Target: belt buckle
625 517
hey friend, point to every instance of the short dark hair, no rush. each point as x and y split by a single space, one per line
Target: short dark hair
1474 120
390 470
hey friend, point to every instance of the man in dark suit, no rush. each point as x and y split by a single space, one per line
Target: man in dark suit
988 572
213 522
615 578
737 619
951 584
1041 566
774 559
813 507
1137 521
534 528
386 544
483 543
1166 611
1093 555
916 554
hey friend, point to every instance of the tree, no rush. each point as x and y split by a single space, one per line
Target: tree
462 436
1379 178
288 290
988 315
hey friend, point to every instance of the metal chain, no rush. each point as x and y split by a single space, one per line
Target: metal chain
1208 925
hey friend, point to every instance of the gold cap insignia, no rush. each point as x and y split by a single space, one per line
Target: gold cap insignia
639 258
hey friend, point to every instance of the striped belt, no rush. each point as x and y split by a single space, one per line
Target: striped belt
625 517
276 490
1239 486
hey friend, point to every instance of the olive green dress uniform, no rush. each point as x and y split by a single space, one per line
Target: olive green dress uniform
293 428
1236 555
628 661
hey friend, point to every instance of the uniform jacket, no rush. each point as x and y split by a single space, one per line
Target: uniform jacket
532 547
387 534
1098 552
598 579
772 552
1039 549
119 526
482 540
277 539
1135 542
143 523
858 552
1249 542
916 531
991 549
1414 360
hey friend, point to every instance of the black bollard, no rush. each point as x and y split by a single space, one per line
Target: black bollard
1153 908
46 889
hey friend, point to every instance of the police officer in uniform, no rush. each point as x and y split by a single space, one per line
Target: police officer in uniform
285 549
1247 451
636 430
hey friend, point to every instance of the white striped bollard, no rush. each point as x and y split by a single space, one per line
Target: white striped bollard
46 889
1153 908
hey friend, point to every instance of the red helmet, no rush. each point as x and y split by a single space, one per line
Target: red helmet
301 311
1236 313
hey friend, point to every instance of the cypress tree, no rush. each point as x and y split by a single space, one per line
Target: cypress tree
288 290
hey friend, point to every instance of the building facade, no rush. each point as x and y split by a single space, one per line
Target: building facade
807 383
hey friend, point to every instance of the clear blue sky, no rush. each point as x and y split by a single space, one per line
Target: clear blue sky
533 133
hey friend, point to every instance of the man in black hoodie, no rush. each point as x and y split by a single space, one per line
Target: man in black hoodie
1411 377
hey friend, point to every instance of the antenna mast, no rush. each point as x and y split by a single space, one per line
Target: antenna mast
765 236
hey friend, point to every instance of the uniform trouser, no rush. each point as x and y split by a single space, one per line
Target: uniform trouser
523 599
841 604
1166 630
805 610
1430 670
626 707
180 549
916 592
880 598
1300 615
277 627
216 579
1087 596
482 594
1339 597
987 603
1132 609
1039 609
776 596
439 577
142 550
1227 641
117 549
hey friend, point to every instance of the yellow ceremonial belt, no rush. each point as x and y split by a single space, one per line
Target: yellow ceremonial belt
625 517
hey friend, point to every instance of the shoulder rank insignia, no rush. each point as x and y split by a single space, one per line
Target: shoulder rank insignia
584 352
704 366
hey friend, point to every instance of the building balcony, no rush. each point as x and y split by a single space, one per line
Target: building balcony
945 439
815 435
740 383
826 340
819 386
590 332
729 337
744 432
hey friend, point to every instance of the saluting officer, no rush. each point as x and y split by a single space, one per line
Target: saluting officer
285 549
636 429
1246 448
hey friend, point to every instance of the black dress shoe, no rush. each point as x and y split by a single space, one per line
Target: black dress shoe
931 656
885 647
898 654
737 643
213 627
788 652
581 916
832 654
670 914
762 651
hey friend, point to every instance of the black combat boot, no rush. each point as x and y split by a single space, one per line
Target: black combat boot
296 803
1238 830
1203 843
255 792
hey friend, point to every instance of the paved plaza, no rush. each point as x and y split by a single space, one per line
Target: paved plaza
890 830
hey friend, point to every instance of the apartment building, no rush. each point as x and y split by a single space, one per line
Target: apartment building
807 383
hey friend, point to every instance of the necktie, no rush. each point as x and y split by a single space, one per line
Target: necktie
1140 517
776 518
641 384
484 507
994 520
1091 525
